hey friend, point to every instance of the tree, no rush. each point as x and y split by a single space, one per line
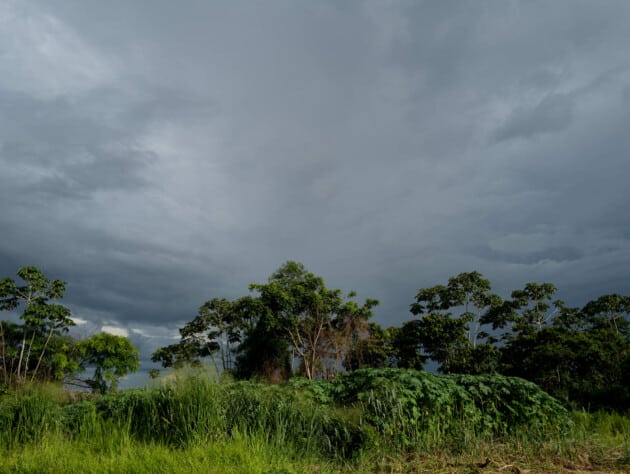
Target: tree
218 328
215 329
444 339
472 292
373 350
582 365
299 306
406 346
577 355
454 341
316 321
580 356
293 317
349 332
185 352
610 311
112 357
264 353
529 310
42 322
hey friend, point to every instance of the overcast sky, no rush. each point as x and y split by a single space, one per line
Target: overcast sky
156 154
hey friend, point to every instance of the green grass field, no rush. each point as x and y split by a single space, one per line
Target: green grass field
368 421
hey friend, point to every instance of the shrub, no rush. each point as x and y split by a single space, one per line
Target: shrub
416 410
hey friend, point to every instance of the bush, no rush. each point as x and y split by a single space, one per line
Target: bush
417 410
394 410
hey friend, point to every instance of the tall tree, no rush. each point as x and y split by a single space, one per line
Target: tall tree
456 342
471 292
610 311
42 321
312 317
374 349
581 363
265 352
407 350
529 310
217 328
578 355
349 331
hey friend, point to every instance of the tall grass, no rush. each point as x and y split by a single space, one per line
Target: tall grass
359 419
238 456
28 418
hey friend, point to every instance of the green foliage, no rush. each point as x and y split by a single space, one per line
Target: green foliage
289 419
28 418
242 455
319 326
24 348
111 356
264 354
579 356
374 350
406 346
174 416
452 340
530 310
178 355
415 409
302 426
318 391
195 411
39 349
294 317
218 328
602 424
582 357
609 312
583 368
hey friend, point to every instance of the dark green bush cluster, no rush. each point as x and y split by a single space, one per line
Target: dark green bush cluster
400 410
413 410
507 405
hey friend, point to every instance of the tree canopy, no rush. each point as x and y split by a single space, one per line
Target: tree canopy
39 348
293 324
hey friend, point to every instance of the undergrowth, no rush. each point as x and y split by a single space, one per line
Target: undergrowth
383 417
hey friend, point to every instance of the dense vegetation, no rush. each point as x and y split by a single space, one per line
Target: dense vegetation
39 348
294 324
350 396
379 420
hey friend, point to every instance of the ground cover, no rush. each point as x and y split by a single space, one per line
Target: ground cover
365 421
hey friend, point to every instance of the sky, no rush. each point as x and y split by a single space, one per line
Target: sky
157 154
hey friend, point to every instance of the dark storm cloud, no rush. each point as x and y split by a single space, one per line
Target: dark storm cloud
157 154
87 144
528 257
552 114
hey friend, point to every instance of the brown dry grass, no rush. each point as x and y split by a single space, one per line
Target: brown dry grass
580 458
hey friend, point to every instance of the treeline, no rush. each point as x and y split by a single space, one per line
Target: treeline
39 348
294 324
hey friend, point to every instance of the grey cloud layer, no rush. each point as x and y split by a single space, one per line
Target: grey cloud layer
157 154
